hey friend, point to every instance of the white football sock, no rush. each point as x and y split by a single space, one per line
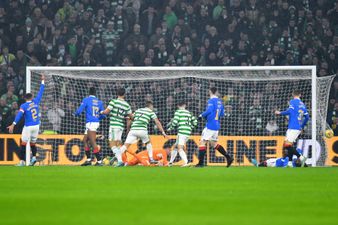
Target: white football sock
119 153
114 149
150 151
183 156
173 155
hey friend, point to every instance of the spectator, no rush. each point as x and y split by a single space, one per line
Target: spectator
9 96
6 58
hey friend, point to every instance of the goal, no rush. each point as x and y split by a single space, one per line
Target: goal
250 94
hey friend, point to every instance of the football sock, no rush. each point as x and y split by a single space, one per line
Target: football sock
222 151
87 151
201 154
33 149
183 156
150 151
114 149
97 154
263 164
173 155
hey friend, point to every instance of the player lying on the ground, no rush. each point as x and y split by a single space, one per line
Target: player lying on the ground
143 158
92 106
213 114
118 109
298 117
139 130
278 162
185 122
30 132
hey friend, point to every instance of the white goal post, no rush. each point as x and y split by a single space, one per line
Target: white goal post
131 76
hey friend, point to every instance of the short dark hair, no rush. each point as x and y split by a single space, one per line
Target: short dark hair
296 93
121 92
213 90
92 91
181 103
149 103
28 96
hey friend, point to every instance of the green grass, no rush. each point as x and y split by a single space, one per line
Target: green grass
213 195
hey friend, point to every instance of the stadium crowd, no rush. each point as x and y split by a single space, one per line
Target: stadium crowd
164 33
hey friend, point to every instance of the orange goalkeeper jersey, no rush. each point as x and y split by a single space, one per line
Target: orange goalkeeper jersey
143 158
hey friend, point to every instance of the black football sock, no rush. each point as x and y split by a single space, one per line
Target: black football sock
295 152
262 164
223 152
97 154
34 150
201 155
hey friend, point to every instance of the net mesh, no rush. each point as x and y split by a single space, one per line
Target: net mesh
250 99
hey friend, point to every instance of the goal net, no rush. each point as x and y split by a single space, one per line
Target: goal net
250 95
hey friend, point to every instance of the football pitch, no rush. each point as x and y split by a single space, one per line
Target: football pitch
138 195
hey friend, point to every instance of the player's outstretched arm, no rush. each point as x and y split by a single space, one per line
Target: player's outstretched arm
207 111
81 108
106 111
42 89
306 119
160 127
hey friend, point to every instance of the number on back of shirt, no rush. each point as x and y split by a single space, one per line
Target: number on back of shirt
34 113
95 110
300 115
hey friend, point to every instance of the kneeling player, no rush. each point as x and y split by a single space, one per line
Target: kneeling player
185 122
143 159
298 117
92 106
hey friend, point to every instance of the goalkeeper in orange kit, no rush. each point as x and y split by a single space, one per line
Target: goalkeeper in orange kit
143 159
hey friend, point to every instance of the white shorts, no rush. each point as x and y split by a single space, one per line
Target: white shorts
115 134
181 139
133 135
30 133
292 135
92 126
271 162
209 135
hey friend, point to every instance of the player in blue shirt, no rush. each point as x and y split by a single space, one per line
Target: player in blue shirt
92 107
274 162
298 117
213 113
30 132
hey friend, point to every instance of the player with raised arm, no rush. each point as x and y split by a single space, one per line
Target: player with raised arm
213 114
185 122
118 109
139 130
92 106
30 132
298 117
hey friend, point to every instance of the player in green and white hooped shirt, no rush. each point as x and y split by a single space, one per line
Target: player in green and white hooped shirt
139 130
185 122
119 110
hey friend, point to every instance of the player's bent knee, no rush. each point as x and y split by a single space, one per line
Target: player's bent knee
287 144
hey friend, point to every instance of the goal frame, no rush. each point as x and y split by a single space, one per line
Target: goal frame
311 68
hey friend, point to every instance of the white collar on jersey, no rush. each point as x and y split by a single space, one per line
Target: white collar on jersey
296 98
92 96
213 96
